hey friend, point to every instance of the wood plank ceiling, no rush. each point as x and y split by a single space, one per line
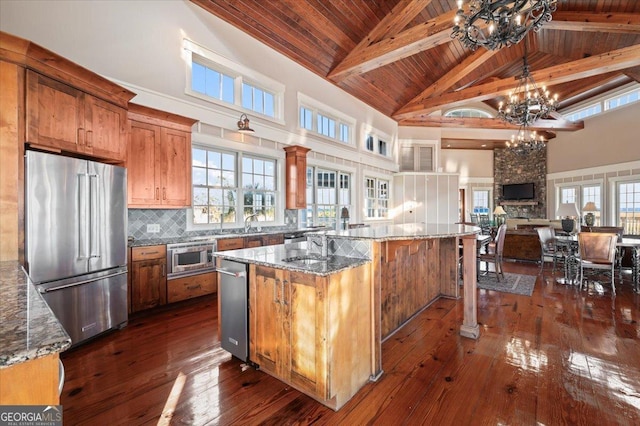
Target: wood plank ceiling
398 57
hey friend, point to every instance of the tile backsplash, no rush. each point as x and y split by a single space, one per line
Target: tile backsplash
173 224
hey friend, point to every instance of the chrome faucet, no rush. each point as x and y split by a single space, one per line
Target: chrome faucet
323 244
247 222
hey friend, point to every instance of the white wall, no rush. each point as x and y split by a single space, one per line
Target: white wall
608 138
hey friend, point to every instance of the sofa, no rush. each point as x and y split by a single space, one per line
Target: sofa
521 241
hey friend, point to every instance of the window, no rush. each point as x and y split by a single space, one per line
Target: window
468 113
481 201
415 158
326 126
591 193
584 113
214 187
624 99
218 195
306 118
374 143
214 78
376 198
259 187
628 207
328 191
568 195
324 120
212 83
258 100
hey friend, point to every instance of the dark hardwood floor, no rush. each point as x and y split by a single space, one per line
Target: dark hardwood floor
559 357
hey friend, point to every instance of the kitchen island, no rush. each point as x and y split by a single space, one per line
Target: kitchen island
390 274
31 339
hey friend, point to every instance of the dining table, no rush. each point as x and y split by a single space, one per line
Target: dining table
568 244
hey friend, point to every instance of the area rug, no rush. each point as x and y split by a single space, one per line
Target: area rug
512 283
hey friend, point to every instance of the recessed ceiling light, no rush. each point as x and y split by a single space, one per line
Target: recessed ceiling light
484 145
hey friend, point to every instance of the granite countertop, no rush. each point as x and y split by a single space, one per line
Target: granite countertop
273 256
28 328
409 231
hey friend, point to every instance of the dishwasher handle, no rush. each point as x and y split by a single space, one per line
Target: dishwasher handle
240 274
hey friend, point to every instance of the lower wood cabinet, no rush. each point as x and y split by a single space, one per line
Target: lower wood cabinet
230 244
191 286
313 332
32 382
148 277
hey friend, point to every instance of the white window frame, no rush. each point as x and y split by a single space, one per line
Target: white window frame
603 102
615 183
319 109
312 195
240 191
468 113
377 208
241 74
377 136
578 187
489 193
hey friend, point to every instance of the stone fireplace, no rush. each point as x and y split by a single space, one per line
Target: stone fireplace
516 165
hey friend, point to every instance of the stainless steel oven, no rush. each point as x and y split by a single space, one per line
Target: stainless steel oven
190 258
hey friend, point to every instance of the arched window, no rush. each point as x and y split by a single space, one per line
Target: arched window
468 113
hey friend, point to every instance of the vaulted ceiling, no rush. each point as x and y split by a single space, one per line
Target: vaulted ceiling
398 55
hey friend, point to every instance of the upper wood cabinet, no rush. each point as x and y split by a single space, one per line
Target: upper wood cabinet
296 177
67 119
158 159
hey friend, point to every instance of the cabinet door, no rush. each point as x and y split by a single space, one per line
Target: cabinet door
176 179
143 165
305 331
55 114
266 340
105 127
148 284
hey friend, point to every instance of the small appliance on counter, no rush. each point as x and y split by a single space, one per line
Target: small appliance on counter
76 241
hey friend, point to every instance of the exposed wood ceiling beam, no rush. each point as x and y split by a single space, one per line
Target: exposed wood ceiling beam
594 21
586 67
409 42
491 123
457 73
400 16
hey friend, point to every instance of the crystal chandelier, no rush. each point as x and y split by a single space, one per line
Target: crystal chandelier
527 103
526 140
499 23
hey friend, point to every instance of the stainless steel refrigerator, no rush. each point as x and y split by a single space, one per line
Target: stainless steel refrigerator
76 241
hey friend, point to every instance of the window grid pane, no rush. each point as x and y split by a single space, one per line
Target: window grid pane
212 83
629 207
259 184
214 193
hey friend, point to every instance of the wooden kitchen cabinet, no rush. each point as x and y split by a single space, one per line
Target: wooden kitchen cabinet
148 277
313 332
64 118
158 159
296 177
230 243
191 286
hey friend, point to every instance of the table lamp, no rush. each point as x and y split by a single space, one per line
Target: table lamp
498 212
590 218
567 212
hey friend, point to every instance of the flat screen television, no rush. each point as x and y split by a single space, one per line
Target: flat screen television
518 191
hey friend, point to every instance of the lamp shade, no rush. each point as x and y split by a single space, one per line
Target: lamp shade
567 210
499 211
590 207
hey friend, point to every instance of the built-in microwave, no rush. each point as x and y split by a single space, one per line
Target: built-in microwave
190 258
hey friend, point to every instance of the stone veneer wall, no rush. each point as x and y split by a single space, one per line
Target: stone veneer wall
515 165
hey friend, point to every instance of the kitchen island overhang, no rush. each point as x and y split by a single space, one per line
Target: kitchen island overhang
409 267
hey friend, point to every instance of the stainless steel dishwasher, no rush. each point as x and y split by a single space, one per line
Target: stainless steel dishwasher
234 308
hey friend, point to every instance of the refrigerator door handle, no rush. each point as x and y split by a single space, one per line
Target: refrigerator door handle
83 211
94 217
60 287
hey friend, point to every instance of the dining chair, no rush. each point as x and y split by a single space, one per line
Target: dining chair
548 246
494 253
597 251
619 231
